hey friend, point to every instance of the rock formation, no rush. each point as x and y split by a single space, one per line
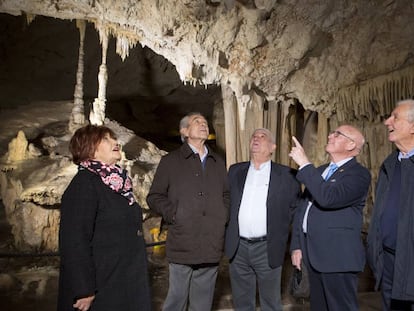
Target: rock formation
296 67
324 54
32 183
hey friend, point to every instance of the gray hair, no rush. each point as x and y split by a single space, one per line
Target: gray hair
410 112
184 122
268 134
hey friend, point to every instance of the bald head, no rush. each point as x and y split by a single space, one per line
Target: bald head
344 142
354 134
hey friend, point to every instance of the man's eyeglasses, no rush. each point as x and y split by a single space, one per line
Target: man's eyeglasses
337 133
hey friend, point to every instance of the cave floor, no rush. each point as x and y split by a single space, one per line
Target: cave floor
30 283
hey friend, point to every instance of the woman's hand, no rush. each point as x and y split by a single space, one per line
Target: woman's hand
84 304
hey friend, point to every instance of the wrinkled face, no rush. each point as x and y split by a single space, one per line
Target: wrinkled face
400 130
108 150
261 143
197 128
340 141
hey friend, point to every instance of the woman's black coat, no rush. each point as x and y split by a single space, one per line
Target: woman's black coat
102 248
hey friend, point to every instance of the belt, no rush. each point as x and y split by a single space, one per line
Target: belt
253 240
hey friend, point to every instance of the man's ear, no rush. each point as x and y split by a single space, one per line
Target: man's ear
184 132
273 148
412 129
351 145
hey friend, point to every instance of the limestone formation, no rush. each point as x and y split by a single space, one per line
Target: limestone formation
77 117
32 188
325 55
296 67
20 149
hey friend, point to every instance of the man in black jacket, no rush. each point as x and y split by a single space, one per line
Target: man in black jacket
391 233
190 191
262 196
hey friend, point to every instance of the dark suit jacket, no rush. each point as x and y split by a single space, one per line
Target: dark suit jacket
283 194
334 221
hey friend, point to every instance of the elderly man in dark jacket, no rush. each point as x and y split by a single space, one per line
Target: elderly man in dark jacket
263 196
326 231
391 232
190 191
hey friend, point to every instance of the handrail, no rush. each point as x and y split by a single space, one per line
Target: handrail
56 254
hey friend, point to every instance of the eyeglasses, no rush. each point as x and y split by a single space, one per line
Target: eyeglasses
337 133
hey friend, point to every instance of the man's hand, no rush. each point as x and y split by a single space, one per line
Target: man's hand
84 304
296 258
298 154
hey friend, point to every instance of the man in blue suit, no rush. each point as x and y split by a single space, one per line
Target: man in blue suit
262 197
327 226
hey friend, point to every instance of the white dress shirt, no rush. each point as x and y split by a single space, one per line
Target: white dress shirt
253 210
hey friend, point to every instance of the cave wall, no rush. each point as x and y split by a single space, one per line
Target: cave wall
327 55
39 61
296 67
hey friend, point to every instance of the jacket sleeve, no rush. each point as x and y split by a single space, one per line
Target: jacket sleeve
157 197
297 224
78 213
226 196
347 190
297 192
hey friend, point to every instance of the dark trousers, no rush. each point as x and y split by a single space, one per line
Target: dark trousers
386 287
331 291
250 265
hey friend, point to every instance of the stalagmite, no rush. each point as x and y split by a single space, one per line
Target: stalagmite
77 117
97 115
18 148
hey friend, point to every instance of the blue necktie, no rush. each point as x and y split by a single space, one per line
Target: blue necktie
332 168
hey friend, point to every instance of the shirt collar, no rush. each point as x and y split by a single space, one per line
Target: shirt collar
405 156
342 162
262 166
196 151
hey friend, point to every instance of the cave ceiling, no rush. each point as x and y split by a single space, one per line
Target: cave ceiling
308 50
270 63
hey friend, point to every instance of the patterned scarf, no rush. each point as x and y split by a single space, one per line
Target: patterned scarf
113 176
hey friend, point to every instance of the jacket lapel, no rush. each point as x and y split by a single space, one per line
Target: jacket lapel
274 186
241 180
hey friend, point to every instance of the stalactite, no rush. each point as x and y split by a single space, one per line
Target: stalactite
253 114
123 44
230 124
242 103
77 117
30 18
97 115
219 126
375 98
285 131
